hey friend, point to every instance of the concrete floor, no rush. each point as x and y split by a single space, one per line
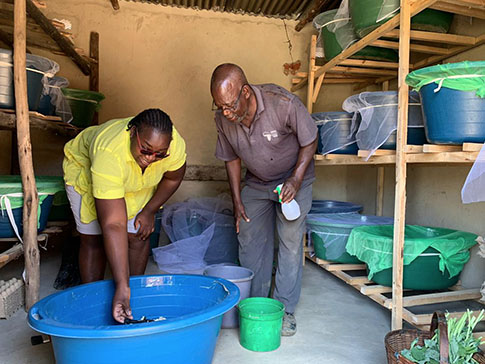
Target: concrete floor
336 324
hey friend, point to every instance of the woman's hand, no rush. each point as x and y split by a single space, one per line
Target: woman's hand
121 304
145 223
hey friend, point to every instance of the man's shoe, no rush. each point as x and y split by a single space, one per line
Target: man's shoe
289 325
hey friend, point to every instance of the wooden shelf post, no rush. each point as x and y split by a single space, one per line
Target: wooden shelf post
311 74
400 198
31 199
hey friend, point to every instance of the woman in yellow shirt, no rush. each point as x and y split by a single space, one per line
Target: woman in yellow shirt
118 175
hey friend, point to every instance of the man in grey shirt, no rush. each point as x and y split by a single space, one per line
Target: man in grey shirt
270 130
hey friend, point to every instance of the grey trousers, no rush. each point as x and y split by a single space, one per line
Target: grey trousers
256 244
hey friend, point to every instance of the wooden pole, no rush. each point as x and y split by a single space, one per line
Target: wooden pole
31 199
380 191
400 199
311 73
94 74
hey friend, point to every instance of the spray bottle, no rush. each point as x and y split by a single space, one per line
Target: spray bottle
291 210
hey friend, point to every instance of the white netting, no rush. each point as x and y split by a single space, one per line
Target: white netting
57 98
474 188
334 131
375 116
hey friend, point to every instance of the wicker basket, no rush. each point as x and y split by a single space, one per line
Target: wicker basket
398 340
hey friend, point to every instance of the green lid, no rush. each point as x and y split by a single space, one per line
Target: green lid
462 76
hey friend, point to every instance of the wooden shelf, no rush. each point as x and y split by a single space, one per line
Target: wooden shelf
440 46
377 293
39 121
426 154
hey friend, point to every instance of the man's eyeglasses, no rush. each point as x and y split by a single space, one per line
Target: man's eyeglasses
233 107
144 151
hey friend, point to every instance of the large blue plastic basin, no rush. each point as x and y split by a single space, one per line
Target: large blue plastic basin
333 207
83 331
452 116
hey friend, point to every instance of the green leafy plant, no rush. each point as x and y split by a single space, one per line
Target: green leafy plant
460 336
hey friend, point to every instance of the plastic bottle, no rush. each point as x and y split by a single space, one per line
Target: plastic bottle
291 210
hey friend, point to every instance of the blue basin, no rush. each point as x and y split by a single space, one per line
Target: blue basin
83 331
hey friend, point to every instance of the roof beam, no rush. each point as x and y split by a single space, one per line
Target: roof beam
312 10
64 44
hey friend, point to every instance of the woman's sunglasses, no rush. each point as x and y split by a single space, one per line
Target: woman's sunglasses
144 151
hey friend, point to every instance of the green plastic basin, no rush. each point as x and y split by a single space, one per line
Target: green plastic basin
321 252
422 274
346 33
367 15
83 105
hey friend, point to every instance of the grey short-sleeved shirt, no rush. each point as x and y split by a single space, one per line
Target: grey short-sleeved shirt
270 147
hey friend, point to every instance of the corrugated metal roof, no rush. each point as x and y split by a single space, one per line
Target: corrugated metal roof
271 8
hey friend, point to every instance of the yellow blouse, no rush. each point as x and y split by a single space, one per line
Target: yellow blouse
98 163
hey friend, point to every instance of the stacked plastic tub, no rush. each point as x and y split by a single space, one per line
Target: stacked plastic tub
329 233
337 33
453 98
11 202
367 15
433 257
38 68
334 133
375 119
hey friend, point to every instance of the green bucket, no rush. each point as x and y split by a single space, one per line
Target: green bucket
83 105
367 15
260 321
335 42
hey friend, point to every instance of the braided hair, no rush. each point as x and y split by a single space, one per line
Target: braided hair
154 118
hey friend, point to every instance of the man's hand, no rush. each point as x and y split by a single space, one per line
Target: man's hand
121 304
290 189
145 220
239 213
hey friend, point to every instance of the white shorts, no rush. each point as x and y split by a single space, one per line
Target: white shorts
93 227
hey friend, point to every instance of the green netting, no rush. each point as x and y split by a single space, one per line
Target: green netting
462 76
374 244
11 187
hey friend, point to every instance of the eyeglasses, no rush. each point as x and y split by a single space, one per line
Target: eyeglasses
144 151
234 105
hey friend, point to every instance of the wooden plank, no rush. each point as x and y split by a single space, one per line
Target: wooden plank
452 296
343 267
31 199
380 191
375 289
365 153
472 147
416 7
311 74
7 122
317 87
425 319
66 46
418 48
369 64
459 9
444 157
435 37
400 195
435 148
453 52
414 148
361 71
11 254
